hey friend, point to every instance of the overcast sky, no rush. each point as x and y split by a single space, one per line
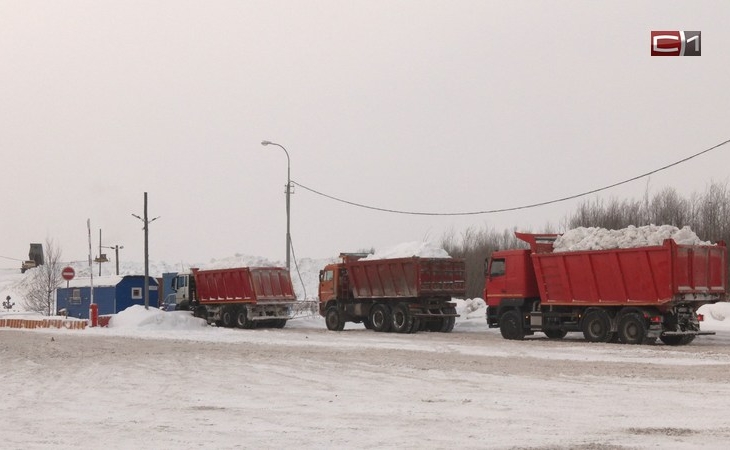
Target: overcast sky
415 105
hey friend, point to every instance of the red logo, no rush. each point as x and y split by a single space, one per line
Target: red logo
676 43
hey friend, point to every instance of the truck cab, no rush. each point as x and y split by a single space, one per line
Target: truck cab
333 280
183 286
510 283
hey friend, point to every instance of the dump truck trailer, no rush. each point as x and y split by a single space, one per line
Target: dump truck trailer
403 295
244 297
633 295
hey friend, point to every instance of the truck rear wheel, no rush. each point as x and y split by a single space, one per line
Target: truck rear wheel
201 312
632 329
510 325
380 317
242 320
228 317
333 319
402 318
447 325
597 326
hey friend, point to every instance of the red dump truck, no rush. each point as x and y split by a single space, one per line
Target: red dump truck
243 297
403 295
633 295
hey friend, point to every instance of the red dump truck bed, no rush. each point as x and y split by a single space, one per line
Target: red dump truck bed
643 276
407 277
244 284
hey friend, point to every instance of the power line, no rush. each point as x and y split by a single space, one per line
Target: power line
514 208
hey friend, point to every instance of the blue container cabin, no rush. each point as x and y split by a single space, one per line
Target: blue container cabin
111 293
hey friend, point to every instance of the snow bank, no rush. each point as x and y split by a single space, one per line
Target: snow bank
409 249
137 316
601 239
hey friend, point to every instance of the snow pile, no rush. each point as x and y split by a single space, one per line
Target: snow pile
137 316
471 308
409 249
717 311
602 239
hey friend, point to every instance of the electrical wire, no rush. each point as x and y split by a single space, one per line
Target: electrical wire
514 208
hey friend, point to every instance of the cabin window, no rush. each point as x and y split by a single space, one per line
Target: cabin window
136 293
497 268
328 275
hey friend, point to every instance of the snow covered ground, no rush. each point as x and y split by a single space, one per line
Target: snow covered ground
156 379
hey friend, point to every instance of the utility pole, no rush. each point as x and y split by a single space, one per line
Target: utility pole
288 201
146 253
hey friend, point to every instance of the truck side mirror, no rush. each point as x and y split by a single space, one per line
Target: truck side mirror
321 275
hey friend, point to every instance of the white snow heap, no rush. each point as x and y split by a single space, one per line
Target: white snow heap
409 249
592 238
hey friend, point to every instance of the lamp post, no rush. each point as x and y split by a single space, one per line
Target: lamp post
288 194
116 249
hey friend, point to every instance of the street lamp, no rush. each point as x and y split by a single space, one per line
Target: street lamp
288 193
116 253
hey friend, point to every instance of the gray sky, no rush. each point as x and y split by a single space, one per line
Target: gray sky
412 105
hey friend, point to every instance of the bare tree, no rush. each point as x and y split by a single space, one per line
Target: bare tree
42 281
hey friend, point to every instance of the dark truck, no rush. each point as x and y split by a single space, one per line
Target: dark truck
403 295
35 258
244 297
633 295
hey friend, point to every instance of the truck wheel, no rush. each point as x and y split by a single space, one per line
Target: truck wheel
510 325
228 317
447 325
366 322
416 325
333 319
402 318
597 326
380 317
555 334
201 312
280 323
242 320
632 329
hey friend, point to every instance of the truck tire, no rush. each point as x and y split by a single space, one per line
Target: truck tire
632 329
596 326
201 312
366 322
510 325
279 323
447 326
242 320
416 325
228 317
380 317
333 319
402 318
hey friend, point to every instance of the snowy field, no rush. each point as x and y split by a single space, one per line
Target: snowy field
156 379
